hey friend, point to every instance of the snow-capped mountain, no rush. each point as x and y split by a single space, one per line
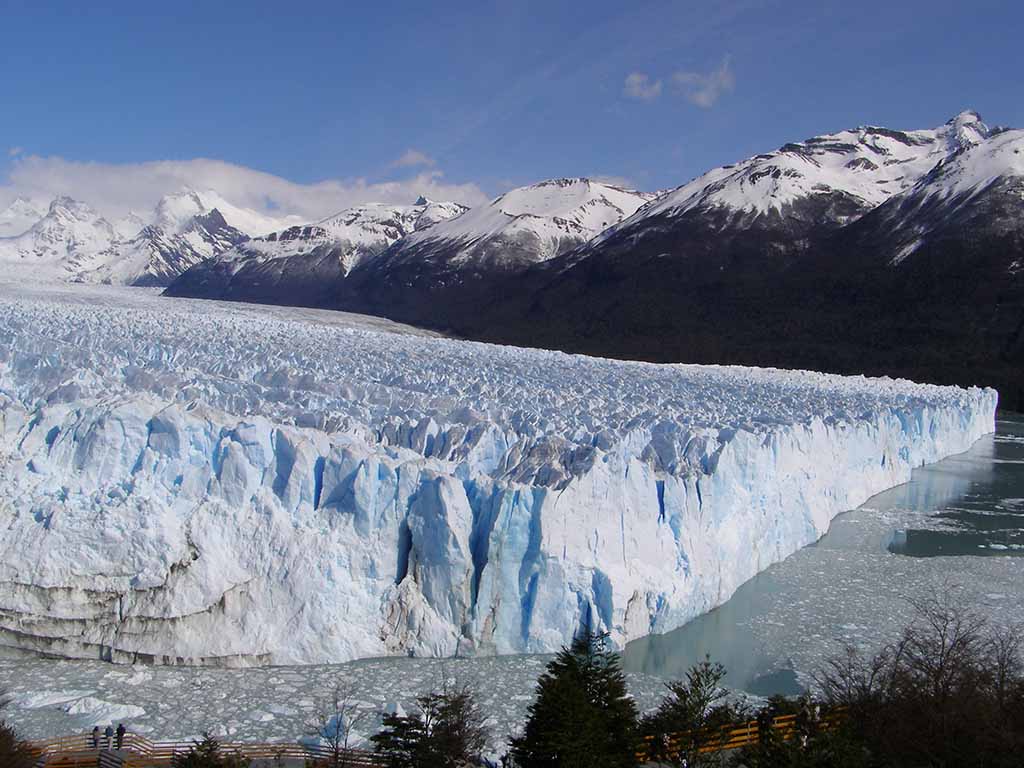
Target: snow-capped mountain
444 265
354 234
155 257
175 212
72 241
845 174
303 264
19 216
523 226
971 195
872 250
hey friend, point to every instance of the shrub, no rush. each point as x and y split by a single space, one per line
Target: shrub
448 731
208 754
948 692
695 713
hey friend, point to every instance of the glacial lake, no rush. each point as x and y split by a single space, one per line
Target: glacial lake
957 525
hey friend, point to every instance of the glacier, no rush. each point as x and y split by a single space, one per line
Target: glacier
188 482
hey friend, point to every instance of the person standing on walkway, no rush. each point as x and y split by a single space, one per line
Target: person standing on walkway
108 735
95 737
120 736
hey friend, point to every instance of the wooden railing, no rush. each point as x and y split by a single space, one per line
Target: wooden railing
784 727
139 752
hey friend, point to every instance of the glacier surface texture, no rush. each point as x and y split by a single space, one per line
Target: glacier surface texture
191 482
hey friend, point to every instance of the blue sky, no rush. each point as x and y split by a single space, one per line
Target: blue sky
475 97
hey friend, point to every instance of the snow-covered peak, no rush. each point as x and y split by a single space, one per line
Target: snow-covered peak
129 226
70 238
434 212
974 169
69 225
867 165
551 213
66 208
375 220
174 213
590 204
72 241
965 130
21 214
353 233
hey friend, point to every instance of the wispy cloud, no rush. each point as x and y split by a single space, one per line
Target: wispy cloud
15 151
413 158
623 182
115 189
705 89
639 86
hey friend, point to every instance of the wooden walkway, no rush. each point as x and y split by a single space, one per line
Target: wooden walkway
139 752
784 727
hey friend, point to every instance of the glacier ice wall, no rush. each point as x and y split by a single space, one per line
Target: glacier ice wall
190 482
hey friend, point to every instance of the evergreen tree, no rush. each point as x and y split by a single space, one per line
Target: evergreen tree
14 753
583 716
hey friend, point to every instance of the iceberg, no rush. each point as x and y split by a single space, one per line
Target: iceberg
190 482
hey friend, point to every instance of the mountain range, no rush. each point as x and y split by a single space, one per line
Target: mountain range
869 250
67 239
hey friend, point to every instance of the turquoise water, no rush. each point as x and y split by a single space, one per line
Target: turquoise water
950 527
958 524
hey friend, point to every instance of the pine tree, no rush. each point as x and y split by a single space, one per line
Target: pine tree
14 753
583 716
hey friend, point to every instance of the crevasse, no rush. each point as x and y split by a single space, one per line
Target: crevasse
189 482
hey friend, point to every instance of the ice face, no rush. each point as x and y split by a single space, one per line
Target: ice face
188 482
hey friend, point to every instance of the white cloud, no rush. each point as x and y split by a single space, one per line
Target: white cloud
15 151
413 158
115 189
705 89
639 86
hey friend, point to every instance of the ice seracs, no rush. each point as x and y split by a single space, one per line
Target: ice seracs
221 485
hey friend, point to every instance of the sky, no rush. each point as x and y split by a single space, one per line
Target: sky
306 108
